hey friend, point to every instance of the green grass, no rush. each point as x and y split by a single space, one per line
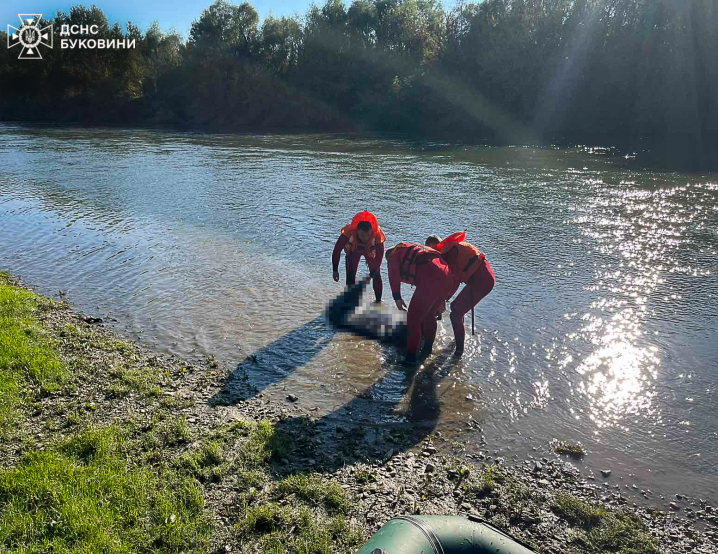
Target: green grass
176 402
315 491
482 482
87 338
74 419
250 478
577 511
363 476
262 444
29 367
301 514
603 530
622 532
163 434
139 484
145 380
286 530
490 477
112 345
207 463
243 448
84 496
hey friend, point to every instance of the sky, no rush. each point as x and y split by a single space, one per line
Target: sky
170 13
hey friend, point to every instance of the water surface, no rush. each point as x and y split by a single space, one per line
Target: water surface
601 327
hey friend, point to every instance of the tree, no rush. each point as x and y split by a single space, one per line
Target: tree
224 26
281 41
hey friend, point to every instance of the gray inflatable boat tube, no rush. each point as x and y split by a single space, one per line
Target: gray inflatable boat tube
442 535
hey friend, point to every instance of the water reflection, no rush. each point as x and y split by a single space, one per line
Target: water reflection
619 376
645 231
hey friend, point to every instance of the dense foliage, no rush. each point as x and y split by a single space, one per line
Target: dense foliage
616 71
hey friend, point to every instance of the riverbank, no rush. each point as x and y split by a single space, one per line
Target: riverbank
107 445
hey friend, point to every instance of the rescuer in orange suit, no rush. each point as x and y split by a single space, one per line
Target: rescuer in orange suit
424 268
468 265
362 237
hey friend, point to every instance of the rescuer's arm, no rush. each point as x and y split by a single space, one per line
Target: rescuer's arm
337 255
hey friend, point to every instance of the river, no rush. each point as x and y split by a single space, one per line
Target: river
601 327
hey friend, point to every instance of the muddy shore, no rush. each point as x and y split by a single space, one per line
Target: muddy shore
378 473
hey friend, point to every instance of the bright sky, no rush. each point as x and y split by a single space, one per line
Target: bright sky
170 13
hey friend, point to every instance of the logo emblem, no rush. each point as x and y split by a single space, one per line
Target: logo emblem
29 36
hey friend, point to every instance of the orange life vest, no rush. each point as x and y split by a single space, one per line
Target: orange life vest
468 261
377 235
409 256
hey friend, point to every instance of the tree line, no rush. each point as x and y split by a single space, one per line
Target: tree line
588 71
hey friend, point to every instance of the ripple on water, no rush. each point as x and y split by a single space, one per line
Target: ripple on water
601 327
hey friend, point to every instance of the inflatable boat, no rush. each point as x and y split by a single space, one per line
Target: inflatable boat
442 535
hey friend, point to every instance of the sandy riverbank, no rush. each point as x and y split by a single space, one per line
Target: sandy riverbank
246 474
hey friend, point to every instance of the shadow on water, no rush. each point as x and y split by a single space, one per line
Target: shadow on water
375 424
279 359
393 414
274 362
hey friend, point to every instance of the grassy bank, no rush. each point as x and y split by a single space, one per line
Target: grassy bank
134 479
29 364
107 447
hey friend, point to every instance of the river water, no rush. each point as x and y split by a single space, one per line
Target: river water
601 327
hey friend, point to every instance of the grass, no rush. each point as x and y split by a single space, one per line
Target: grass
362 476
29 367
575 450
243 449
92 493
622 532
144 380
596 529
285 530
112 345
137 485
174 403
263 444
248 479
84 496
604 530
87 339
302 514
577 511
489 478
314 490
207 463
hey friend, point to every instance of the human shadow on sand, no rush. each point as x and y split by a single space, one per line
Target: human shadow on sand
374 425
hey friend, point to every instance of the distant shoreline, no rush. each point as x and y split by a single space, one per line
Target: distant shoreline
641 156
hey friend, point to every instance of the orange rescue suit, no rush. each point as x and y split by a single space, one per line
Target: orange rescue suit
468 260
